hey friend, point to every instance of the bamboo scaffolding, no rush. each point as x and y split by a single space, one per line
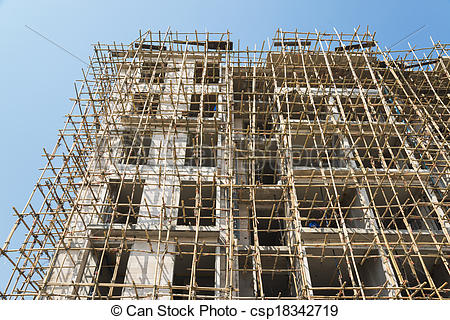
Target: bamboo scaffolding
314 167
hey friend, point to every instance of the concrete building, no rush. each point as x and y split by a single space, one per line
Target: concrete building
189 168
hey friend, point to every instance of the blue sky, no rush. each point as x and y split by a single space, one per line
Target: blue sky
37 78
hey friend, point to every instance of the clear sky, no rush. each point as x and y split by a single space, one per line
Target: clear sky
36 78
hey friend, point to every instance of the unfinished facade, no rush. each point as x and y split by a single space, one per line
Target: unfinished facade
314 167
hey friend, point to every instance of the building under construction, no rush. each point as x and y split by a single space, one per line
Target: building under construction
316 166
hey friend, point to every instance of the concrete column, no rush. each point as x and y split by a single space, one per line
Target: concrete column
162 149
153 198
147 268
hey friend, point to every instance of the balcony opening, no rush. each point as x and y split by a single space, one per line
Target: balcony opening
212 74
204 281
124 202
187 206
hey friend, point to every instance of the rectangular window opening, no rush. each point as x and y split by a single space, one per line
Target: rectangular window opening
204 280
270 224
263 129
393 207
135 148
412 271
114 263
120 196
212 74
395 155
206 149
187 205
246 262
146 103
277 280
210 102
293 107
266 171
316 209
354 110
351 208
329 273
372 151
150 67
313 152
